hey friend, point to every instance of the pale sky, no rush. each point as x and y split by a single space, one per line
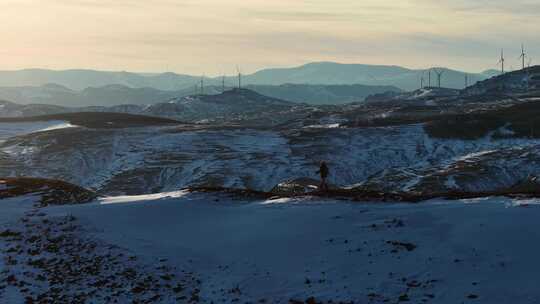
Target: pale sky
213 36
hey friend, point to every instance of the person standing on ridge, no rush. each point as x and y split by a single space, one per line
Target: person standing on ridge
323 171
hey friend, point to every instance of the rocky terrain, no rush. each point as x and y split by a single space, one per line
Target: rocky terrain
54 260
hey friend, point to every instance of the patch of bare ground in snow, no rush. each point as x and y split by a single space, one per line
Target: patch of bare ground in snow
50 260
52 192
527 189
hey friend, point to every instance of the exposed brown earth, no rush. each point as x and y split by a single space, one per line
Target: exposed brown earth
522 190
52 192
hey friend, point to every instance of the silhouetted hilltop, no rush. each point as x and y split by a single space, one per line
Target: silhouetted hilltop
521 81
243 97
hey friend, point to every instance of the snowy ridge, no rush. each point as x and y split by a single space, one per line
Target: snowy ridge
8 130
150 160
492 169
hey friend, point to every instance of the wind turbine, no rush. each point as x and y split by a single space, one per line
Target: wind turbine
202 85
439 73
223 84
501 61
429 78
239 77
522 56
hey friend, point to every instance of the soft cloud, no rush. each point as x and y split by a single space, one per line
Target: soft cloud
212 36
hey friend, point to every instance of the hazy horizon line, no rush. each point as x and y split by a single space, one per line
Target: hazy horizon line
90 69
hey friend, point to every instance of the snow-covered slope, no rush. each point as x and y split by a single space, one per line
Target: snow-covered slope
485 171
8 130
309 251
430 94
157 159
520 81
230 106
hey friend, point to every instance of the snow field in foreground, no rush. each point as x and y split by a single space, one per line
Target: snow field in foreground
474 251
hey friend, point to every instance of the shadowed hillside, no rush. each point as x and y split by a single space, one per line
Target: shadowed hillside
99 120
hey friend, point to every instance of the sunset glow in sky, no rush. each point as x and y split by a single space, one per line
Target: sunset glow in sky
213 36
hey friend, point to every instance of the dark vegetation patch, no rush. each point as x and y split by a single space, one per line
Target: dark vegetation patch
525 189
401 246
466 127
235 193
465 117
53 192
521 120
8 233
392 116
99 120
297 187
415 197
446 122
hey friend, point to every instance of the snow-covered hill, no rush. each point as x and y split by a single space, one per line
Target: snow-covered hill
521 81
156 159
425 142
8 130
229 106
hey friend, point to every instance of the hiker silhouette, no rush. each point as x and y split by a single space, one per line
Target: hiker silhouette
323 171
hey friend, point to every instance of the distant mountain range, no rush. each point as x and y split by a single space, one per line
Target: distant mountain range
320 73
113 95
109 95
330 73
